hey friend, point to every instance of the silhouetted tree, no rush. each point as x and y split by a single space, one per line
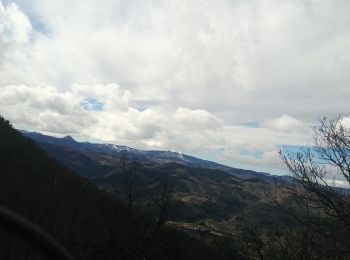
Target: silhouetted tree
319 204
128 168
161 198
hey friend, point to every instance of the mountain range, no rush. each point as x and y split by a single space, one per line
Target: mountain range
91 223
183 207
105 201
155 156
208 200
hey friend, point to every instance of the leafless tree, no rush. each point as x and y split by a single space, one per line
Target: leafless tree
322 206
161 198
128 167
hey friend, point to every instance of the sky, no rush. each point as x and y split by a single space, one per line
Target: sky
227 80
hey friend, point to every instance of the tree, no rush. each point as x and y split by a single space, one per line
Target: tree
129 170
319 203
161 198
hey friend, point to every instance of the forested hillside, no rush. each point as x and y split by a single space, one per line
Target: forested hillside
122 208
90 223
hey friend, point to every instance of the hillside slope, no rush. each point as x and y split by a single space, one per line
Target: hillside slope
214 202
89 222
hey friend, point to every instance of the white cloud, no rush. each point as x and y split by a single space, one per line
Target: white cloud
43 108
196 119
15 27
182 75
286 123
110 95
224 58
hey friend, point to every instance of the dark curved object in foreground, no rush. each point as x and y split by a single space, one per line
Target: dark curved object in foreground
34 235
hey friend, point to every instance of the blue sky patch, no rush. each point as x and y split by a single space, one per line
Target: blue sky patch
92 104
291 148
39 26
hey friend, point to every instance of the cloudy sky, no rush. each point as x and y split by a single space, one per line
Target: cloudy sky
227 80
